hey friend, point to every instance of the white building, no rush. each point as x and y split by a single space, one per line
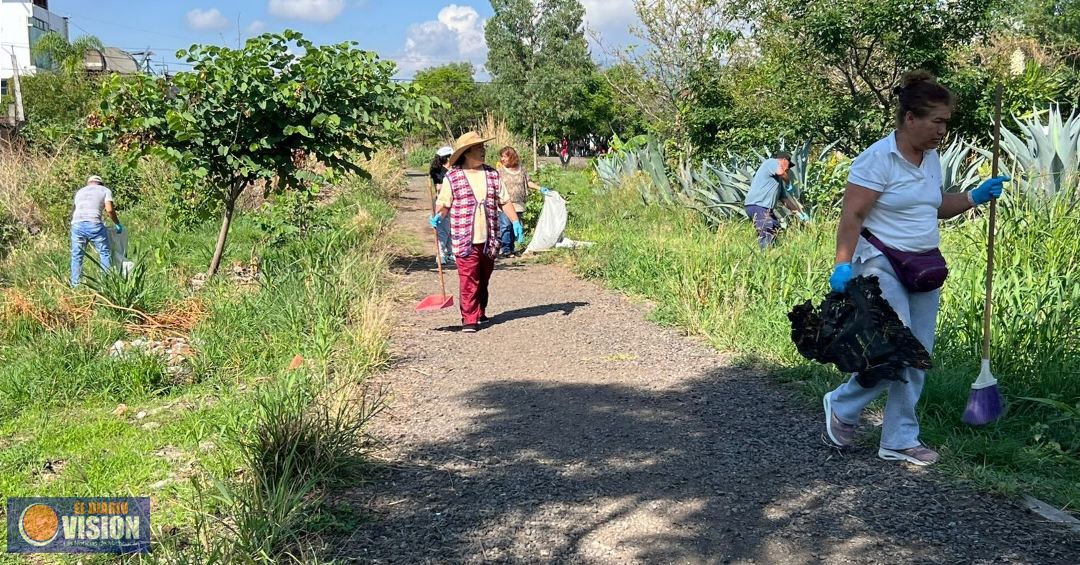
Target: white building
22 23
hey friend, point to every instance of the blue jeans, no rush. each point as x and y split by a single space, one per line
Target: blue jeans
506 233
444 240
81 234
918 311
766 223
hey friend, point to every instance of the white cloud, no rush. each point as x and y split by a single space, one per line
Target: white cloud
609 13
457 34
206 20
256 27
611 20
310 10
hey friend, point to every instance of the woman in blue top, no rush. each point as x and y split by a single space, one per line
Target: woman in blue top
892 204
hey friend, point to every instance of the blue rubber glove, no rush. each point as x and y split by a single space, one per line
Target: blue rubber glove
119 228
841 274
804 216
544 190
519 232
989 189
435 221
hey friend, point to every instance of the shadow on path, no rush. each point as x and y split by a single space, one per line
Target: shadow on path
712 472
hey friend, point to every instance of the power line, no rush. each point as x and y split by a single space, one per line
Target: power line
115 24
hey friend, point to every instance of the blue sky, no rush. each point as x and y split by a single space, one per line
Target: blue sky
414 33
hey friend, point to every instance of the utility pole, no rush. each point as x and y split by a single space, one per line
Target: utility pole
536 156
20 117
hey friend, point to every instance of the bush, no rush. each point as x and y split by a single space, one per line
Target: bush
54 185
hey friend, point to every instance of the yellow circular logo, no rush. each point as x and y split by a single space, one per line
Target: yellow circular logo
39 524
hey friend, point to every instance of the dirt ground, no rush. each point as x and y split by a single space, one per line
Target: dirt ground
571 430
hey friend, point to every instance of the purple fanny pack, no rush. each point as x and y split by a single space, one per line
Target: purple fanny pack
918 272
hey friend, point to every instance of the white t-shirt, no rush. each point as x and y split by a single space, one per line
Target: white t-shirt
904 217
89 201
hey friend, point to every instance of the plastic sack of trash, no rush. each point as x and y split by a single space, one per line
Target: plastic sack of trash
550 225
859 332
118 244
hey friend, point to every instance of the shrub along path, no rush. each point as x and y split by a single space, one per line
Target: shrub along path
572 430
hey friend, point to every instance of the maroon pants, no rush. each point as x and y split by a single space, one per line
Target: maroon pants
474 272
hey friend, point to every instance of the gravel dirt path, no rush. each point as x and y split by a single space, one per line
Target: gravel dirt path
571 430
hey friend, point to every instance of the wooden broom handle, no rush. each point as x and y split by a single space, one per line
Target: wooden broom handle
438 252
991 229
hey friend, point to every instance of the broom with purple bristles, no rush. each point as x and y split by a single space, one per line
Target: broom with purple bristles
984 403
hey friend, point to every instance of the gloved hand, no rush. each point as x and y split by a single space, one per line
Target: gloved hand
435 221
119 228
804 216
841 274
519 232
989 189
544 190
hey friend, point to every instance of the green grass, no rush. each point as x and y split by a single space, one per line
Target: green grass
321 297
716 283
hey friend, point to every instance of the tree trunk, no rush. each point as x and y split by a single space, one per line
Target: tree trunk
536 157
223 234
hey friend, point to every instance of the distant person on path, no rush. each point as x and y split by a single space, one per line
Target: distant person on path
767 189
472 198
891 208
437 171
517 183
564 152
87 226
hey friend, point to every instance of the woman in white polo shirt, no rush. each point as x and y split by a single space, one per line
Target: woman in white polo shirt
889 228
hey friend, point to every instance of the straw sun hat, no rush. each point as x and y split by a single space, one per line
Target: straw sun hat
463 144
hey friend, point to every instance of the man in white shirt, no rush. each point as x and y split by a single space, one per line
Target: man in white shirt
87 226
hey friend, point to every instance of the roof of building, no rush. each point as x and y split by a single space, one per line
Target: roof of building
111 60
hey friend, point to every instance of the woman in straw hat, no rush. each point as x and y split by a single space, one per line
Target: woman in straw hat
472 197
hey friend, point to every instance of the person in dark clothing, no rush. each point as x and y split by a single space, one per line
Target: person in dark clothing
437 171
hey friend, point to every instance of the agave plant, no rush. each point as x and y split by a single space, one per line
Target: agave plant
1044 156
960 164
652 162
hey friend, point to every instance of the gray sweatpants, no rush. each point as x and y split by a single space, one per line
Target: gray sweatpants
918 311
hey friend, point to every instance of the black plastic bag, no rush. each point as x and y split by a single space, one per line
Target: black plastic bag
859 332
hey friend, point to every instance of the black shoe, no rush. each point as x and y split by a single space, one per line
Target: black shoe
469 328
484 319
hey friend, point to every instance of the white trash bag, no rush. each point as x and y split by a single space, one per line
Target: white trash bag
118 244
550 225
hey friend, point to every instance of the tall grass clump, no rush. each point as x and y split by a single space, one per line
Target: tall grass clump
306 435
499 131
715 282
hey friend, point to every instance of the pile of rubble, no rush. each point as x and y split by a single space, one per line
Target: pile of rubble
174 350
240 274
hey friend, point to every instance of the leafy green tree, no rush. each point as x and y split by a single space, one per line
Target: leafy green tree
539 63
865 46
601 112
1054 23
57 105
262 112
466 101
59 99
682 39
69 57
